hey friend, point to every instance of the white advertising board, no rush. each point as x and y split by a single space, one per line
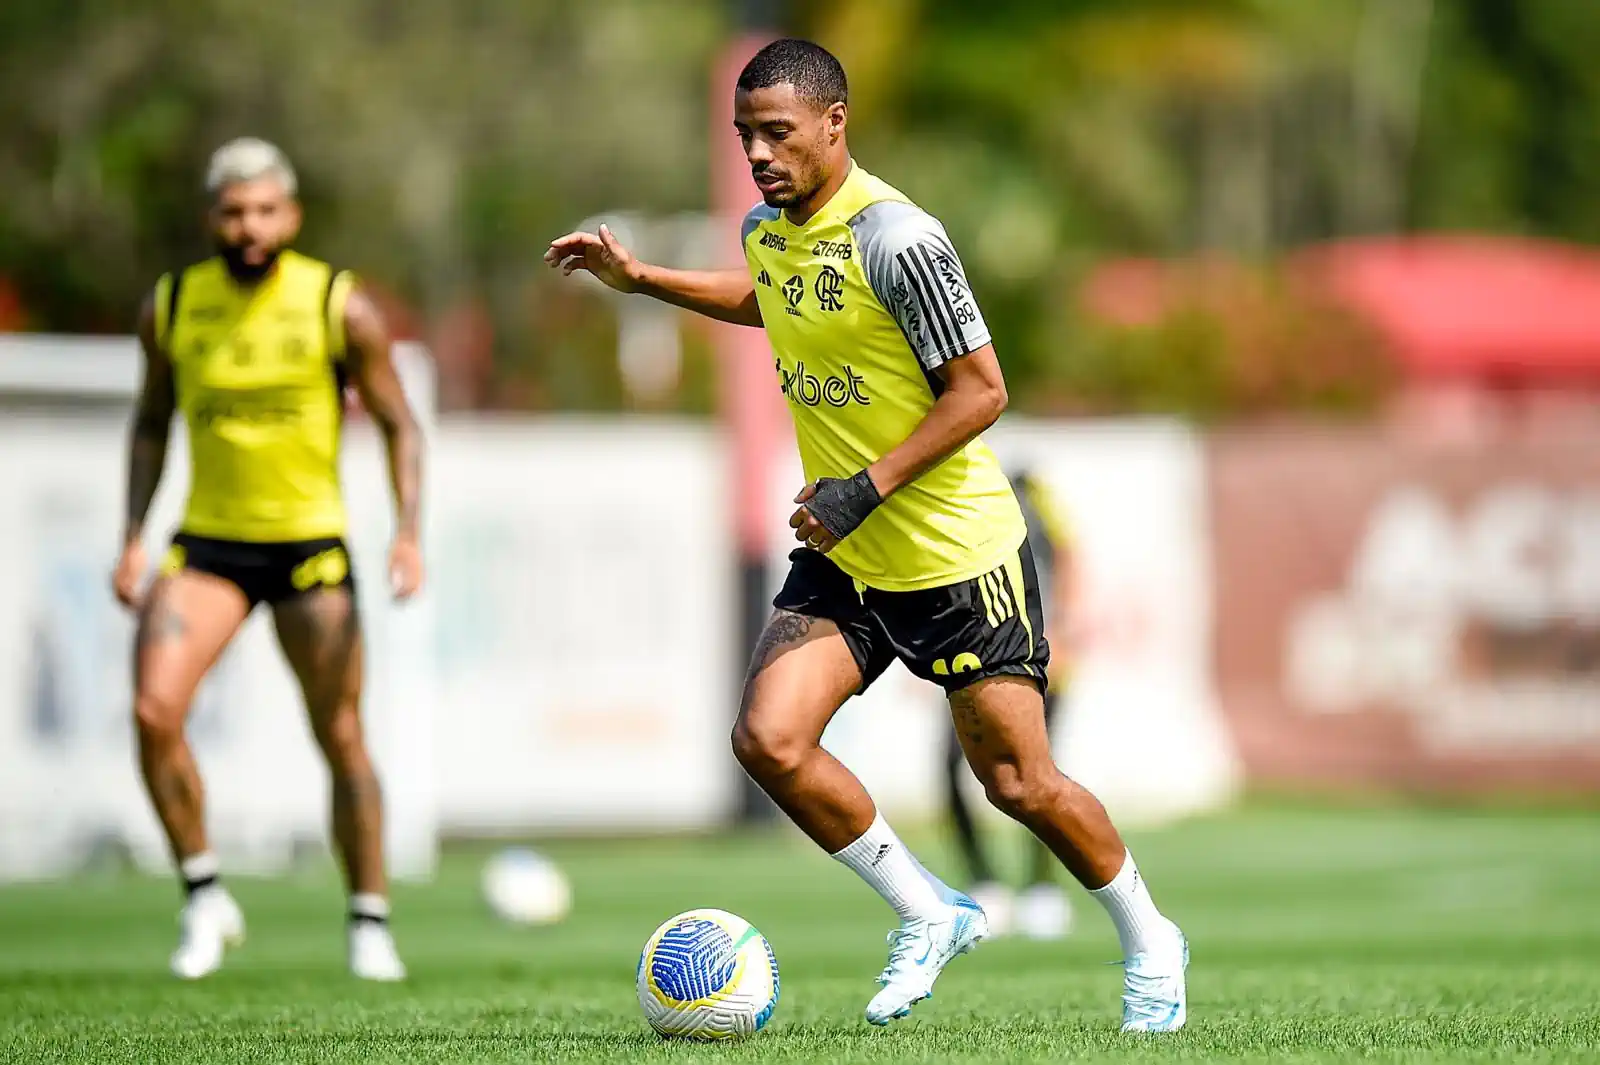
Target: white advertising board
69 781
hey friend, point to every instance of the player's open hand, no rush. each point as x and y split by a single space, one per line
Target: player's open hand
127 581
807 529
405 567
602 254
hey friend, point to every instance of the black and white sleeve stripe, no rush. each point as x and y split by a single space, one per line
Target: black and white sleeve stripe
918 276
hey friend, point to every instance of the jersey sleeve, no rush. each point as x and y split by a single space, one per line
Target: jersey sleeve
752 221
916 274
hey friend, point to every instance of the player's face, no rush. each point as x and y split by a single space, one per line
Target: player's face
252 222
789 142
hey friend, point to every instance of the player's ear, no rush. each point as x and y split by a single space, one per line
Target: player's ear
294 219
837 118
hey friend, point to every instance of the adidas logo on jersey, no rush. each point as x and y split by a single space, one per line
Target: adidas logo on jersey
764 278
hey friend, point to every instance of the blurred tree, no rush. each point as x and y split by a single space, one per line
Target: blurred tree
441 144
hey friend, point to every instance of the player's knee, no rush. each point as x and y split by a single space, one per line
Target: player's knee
340 737
159 719
1019 795
767 750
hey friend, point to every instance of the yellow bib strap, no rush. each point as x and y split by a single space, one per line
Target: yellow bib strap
340 284
166 299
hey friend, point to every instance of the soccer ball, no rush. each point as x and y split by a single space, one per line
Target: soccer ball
526 888
707 974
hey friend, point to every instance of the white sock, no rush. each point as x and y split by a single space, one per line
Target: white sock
369 906
1140 926
879 858
199 873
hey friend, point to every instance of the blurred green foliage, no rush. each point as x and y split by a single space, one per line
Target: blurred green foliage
442 144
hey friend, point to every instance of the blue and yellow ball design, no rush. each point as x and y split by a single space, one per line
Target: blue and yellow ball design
707 974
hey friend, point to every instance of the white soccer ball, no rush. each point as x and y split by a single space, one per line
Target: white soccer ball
707 974
523 887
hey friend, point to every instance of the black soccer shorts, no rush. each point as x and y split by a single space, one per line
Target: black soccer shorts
954 635
264 572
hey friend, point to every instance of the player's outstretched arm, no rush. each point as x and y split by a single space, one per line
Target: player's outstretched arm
147 452
368 349
726 295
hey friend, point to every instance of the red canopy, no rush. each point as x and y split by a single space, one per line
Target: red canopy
1506 310
1498 308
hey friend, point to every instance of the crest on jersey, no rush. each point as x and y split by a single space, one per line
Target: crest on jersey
830 288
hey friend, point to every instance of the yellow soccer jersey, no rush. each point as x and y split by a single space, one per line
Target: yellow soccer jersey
259 377
862 305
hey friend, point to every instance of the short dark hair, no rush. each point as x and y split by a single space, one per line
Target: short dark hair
815 72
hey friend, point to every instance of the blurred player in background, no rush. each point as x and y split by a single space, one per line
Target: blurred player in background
914 545
1041 910
254 346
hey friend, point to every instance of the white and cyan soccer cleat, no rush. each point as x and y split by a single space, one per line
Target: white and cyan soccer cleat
1154 998
918 951
372 953
212 922
1043 911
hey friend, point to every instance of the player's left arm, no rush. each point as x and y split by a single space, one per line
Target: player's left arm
369 354
974 396
917 275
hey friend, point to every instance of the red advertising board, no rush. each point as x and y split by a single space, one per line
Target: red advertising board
1399 614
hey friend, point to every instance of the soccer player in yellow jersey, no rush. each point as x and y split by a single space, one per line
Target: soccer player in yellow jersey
913 542
253 348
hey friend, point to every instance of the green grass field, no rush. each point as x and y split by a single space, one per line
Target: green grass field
1318 936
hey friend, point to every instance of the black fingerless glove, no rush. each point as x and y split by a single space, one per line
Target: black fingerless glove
842 504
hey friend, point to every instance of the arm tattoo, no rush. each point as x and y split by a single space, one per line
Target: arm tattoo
152 425
385 400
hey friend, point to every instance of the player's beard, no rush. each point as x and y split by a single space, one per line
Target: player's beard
798 188
246 272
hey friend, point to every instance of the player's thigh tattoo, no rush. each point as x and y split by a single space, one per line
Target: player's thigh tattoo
967 716
161 621
784 628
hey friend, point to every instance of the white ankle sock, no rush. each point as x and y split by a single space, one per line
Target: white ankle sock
369 906
202 866
1140 926
199 873
879 858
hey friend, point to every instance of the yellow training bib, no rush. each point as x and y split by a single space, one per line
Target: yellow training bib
259 375
862 305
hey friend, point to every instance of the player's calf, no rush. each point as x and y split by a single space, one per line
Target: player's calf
1001 723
